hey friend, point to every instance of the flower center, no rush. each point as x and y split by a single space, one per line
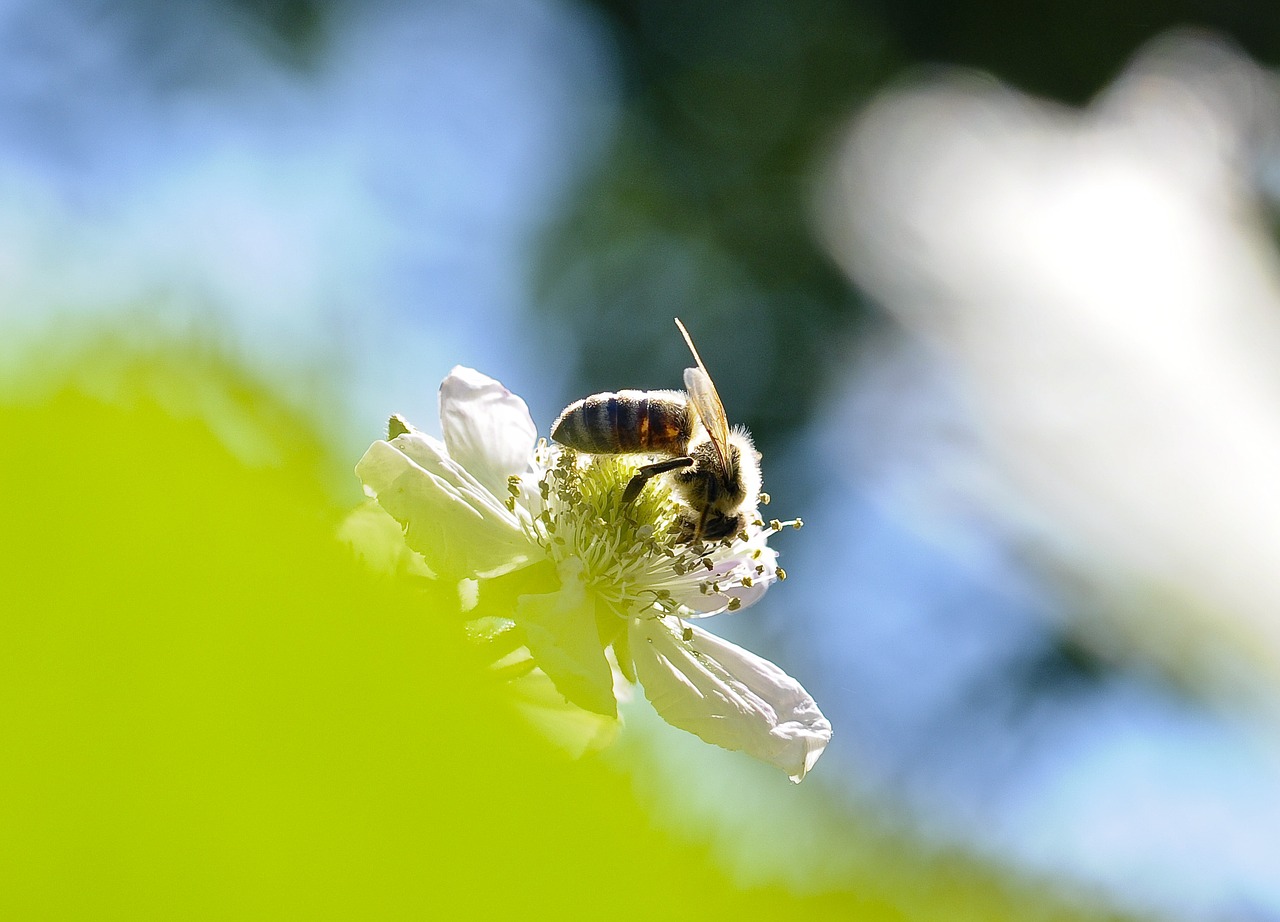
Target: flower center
631 553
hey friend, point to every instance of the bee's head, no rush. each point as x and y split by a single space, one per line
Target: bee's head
717 526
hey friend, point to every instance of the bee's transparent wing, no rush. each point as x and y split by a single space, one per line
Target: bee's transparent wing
706 401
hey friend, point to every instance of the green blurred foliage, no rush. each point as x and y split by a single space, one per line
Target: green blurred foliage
211 708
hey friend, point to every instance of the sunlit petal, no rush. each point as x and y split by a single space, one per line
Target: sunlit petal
378 539
431 455
453 528
728 696
560 629
488 429
744 576
574 730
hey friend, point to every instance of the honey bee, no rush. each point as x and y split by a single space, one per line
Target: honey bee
714 470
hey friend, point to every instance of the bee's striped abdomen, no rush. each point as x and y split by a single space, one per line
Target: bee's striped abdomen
589 425
626 422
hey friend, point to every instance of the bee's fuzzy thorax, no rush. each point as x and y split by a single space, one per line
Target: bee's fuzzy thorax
748 466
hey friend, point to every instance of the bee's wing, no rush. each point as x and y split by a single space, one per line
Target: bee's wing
706 401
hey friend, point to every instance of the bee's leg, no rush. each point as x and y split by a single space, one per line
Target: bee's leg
689 529
651 470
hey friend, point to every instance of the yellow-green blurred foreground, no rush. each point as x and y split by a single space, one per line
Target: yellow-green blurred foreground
209 709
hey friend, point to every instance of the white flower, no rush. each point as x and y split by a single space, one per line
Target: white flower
1103 289
492 501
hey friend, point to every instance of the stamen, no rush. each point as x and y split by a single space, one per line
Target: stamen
635 557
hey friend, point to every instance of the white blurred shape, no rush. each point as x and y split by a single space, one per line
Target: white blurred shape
1108 291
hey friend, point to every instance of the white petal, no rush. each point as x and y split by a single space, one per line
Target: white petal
561 633
568 726
488 429
728 696
755 561
431 455
377 539
454 526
